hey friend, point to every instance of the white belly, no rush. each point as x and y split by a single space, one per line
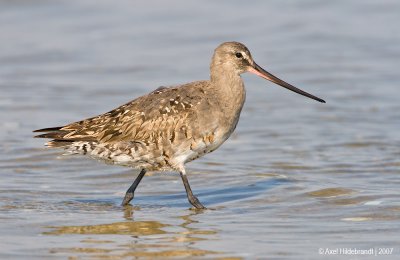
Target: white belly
199 148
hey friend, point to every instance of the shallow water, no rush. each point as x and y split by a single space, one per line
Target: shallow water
296 175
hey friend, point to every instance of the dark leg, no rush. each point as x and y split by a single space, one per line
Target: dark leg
132 188
192 199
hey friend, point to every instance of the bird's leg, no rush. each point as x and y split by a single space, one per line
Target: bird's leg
129 193
192 199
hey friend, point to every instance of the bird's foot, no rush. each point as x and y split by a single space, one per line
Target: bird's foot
196 203
128 197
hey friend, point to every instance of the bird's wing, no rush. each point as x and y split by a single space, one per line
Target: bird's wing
159 113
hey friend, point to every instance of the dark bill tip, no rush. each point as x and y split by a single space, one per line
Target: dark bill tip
266 75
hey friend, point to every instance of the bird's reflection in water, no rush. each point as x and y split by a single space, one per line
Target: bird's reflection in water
135 238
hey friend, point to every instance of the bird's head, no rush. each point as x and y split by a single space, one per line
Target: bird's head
234 57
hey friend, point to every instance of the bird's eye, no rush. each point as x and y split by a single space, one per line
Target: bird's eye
238 55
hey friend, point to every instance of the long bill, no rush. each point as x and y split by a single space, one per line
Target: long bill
266 75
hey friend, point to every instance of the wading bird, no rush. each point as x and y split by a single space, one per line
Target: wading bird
169 127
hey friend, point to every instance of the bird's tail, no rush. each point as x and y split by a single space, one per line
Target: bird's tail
56 134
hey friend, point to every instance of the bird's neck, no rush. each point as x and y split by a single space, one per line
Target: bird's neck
230 90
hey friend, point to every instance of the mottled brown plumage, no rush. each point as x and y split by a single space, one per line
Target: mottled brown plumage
170 126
